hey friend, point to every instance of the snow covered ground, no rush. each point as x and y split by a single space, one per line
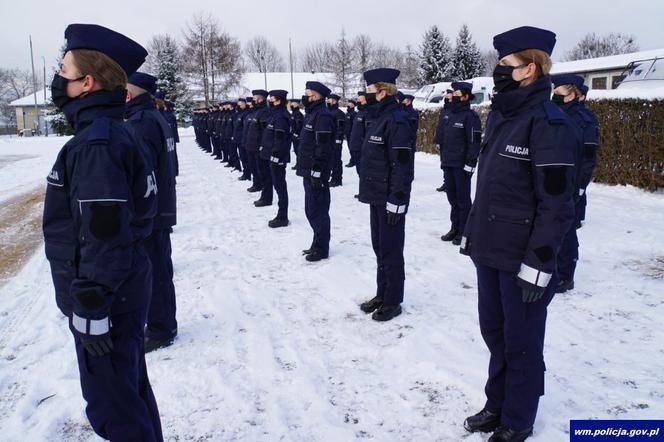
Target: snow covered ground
272 348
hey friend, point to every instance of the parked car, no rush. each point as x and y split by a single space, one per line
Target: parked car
647 74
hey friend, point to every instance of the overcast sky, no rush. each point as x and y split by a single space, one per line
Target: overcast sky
396 22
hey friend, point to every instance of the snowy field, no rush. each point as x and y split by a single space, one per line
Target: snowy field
272 348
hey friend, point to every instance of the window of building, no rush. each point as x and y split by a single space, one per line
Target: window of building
599 83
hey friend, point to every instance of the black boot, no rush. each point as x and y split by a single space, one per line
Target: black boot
335 183
308 251
254 189
371 305
457 239
504 434
262 203
441 188
154 344
484 421
244 178
351 164
278 222
564 286
386 312
316 255
449 236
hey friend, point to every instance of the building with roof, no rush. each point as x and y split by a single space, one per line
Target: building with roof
31 116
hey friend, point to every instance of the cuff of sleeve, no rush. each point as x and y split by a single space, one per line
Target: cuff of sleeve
396 208
274 160
93 327
534 276
469 169
315 174
582 191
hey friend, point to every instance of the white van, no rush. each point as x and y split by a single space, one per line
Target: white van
433 94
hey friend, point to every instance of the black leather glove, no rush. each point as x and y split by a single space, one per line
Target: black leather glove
97 345
317 183
531 294
394 218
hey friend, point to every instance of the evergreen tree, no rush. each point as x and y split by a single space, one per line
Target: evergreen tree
467 58
435 57
169 70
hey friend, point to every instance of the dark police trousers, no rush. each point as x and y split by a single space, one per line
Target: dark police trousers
280 186
388 244
266 179
120 402
568 255
233 155
317 210
457 188
514 333
161 323
337 163
252 160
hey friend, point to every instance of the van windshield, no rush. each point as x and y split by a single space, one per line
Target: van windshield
641 70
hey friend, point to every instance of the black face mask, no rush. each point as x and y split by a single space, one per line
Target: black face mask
59 90
305 100
456 99
502 78
558 99
371 98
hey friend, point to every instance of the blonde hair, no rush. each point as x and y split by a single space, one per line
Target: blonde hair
540 58
107 73
389 87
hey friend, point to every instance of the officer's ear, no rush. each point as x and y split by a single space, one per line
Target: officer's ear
89 84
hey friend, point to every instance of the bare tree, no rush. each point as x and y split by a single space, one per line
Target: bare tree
489 60
315 57
407 63
261 55
342 63
14 84
214 60
364 48
593 46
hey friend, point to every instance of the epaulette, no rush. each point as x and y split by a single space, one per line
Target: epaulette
554 113
100 131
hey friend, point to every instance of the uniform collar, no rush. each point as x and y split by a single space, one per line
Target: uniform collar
460 106
83 111
142 102
386 104
514 102
315 106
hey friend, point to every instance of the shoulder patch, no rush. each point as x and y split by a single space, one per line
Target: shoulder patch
100 131
553 112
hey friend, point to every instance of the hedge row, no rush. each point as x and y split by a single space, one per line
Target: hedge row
631 140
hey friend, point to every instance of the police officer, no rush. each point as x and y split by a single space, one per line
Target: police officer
589 158
214 131
350 117
100 200
522 210
385 184
262 117
413 116
255 123
358 131
171 119
248 172
459 139
336 176
277 139
313 165
296 123
232 158
150 127
566 95
237 138
442 117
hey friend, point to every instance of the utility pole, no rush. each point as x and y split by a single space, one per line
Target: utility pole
290 56
45 122
34 86
262 58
